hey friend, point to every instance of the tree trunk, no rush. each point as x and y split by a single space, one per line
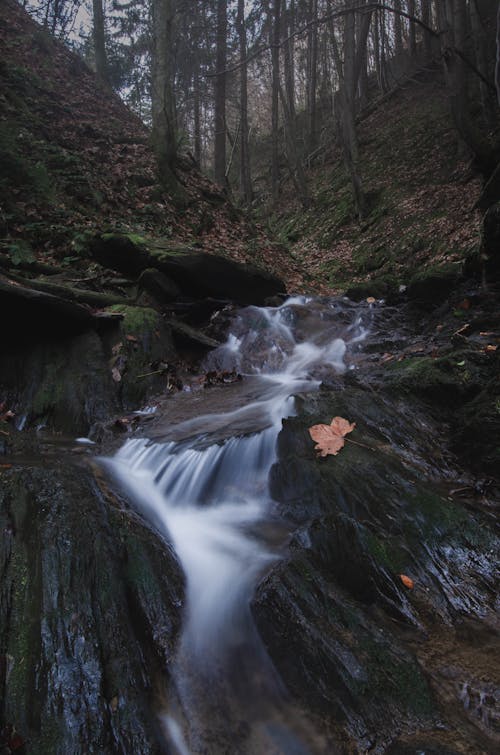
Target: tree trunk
347 73
274 30
481 61
452 25
220 95
163 131
497 64
245 176
427 19
412 38
398 32
288 102
312 73
101 63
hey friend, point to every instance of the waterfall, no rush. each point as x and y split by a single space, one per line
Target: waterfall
208 495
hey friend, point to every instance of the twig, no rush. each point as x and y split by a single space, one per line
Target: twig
363 445
147 374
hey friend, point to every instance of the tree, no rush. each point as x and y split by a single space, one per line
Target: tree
220 95
163 108
274 15
98 33
245 177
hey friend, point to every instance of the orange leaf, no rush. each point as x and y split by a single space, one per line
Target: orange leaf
490 348
329 439
409 583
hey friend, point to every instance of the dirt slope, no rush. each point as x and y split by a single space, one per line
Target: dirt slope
74 158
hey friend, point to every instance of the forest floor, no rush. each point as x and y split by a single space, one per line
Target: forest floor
76 161
421 196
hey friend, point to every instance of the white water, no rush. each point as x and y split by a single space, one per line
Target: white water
212 502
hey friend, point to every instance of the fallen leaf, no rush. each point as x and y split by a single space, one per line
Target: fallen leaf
465 304
407 581
490 348
329 439
387 358
371 300
133 339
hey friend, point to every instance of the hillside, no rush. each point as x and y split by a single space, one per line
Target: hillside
421 193
75 160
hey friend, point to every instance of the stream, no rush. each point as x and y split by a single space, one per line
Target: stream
207 493
197 581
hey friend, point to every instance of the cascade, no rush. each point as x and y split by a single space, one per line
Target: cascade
207 494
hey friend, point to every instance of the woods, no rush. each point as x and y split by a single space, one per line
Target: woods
258 91
222 224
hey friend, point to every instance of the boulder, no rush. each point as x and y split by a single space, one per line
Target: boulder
197 274
430 287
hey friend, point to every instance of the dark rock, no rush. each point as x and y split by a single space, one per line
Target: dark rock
340 626
187 336
431 287
162 288
32 314
196 274
490 243
88 614
385 287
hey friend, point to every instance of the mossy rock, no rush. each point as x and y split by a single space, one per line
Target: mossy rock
477 430
196 274
384 287
144 339
431 287
445 379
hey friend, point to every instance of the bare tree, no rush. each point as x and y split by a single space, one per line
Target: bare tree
98 33
220 95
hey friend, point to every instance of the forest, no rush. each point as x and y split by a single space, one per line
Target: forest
249 377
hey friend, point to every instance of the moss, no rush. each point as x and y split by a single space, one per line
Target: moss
381 287
137 321
385 553
394 680
444 379
50 392
435 518
132 237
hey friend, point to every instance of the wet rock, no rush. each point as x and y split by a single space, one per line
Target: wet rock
143 340
384 287
88 614
187 336
353 644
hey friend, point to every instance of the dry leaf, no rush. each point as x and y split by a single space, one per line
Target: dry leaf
371 300
407 581
490 348
329 439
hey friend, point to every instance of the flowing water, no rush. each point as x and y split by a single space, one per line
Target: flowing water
204 487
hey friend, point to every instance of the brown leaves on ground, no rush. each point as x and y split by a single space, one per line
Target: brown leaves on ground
330 439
